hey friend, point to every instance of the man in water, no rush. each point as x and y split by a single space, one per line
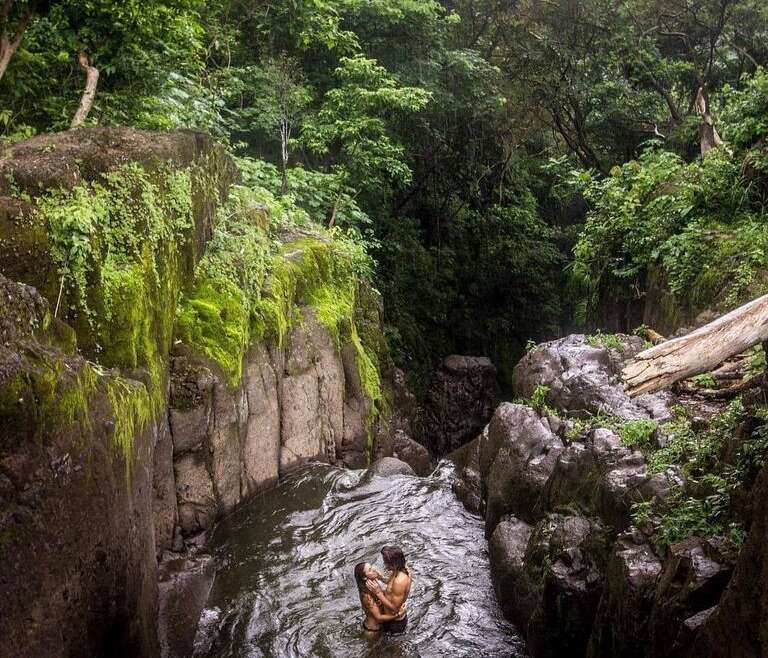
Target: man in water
393 595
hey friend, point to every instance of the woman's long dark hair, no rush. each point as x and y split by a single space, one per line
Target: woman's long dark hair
360 577
394 558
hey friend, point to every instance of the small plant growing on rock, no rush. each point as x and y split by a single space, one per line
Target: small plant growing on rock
638 433
608 341
704 381
538 399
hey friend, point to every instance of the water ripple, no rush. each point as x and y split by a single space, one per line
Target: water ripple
284 588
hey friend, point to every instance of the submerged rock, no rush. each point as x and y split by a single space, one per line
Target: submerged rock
387 467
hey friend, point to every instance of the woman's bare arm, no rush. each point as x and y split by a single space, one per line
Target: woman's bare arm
372 609
382 597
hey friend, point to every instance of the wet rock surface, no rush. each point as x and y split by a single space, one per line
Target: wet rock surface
600 475
585 378
301 403
516 460
468 486
695 575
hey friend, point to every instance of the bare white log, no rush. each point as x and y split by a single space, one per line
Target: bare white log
89 93
700 351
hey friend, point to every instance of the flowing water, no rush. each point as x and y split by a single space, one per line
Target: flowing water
285 587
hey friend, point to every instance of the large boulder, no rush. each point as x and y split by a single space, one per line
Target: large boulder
412 453
581 377
458 403
515 590
621 626
550 588
516 460
468 484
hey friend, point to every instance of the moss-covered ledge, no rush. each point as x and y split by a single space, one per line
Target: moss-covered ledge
263 272
108 224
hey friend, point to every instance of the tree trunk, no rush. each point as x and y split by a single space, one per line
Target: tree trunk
700 351
89 93
285 136
9 44
707 132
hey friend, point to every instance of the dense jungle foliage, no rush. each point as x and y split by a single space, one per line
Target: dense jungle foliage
511 167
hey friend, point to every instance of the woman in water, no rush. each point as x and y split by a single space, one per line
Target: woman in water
374 617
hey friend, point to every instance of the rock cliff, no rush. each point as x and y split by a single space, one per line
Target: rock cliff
558 477
141 395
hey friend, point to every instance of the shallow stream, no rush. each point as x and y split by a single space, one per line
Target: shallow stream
284 586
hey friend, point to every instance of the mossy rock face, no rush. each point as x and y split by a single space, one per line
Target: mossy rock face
218 322
108 224
46 389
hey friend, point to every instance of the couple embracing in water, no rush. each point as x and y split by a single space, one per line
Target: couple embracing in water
383 599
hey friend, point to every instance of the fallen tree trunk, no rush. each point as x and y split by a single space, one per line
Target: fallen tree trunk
700 351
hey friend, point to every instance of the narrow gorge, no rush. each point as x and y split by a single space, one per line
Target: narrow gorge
383 329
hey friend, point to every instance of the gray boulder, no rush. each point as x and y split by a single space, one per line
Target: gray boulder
515 590
412 453
468 485
387 467
516 460
584 378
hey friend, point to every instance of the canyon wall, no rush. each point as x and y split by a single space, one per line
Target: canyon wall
134 413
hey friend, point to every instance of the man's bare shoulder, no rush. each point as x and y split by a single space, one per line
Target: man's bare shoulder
401 582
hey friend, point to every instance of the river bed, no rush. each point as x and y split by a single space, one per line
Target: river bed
284 586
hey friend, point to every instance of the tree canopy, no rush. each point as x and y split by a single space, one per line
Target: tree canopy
511 166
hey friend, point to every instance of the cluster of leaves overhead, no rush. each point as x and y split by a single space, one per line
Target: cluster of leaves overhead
701 226
134 44
424 128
